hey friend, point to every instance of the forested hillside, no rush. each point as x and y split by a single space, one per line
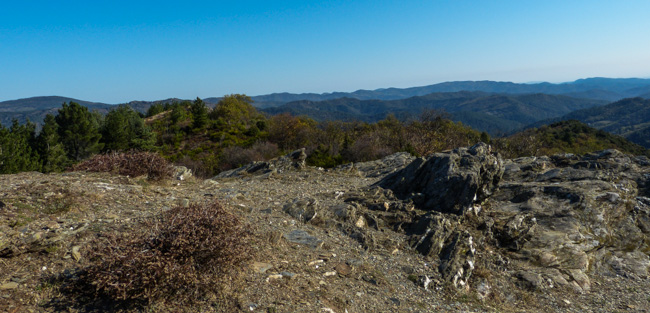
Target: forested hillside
234 133
495 114
629 118
209 140
564 137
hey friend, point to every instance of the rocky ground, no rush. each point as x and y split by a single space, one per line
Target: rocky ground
461 231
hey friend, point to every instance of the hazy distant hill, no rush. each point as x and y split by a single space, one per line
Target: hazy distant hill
597 94
36 108
494 113
609 89
143 106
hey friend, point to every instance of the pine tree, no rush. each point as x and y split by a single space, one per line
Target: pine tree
78 130
199 114
124 129
17 153
155 109
50 148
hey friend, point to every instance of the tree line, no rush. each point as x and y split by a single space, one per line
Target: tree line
73 134
209 140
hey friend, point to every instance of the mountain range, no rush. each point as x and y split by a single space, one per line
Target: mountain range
608 89
495 107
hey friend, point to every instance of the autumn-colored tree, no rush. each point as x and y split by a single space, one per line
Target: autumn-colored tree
291 132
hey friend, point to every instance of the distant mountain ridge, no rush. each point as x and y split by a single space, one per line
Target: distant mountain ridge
605 89
609 89
494 113
36 108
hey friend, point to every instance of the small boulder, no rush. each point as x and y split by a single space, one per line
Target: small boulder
304 238
302 209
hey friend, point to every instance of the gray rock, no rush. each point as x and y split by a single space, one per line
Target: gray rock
552 221
9 285
576 214
431 232
457 258
530 280
384 166
304 238
182 172
288 275
302 209
76 255
292 161
448 182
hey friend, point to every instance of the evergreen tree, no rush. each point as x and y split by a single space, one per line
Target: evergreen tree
155 109
17 153
79 131
124 129
179 112
199 114
50 148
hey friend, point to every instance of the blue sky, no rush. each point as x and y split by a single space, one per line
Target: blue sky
118 51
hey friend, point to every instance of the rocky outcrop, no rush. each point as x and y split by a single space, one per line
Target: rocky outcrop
568 216
292 161
552 221
381 167
448 182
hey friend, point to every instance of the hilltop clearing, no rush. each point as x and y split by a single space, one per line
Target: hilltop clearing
564 233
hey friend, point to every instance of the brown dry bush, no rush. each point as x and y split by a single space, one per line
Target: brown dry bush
129 164
186 255
235 156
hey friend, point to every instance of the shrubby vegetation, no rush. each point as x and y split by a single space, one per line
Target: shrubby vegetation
132 163
564 137
233 133
182 256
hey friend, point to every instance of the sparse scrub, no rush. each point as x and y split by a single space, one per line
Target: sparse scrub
131 164
236 156
185 256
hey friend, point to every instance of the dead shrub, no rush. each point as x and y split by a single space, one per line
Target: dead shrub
368 147
235 156
129 164
186 255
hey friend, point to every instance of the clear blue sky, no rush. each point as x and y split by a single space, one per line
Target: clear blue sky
117 51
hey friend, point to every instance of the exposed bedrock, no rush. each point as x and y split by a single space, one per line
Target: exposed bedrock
556 220
448 182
